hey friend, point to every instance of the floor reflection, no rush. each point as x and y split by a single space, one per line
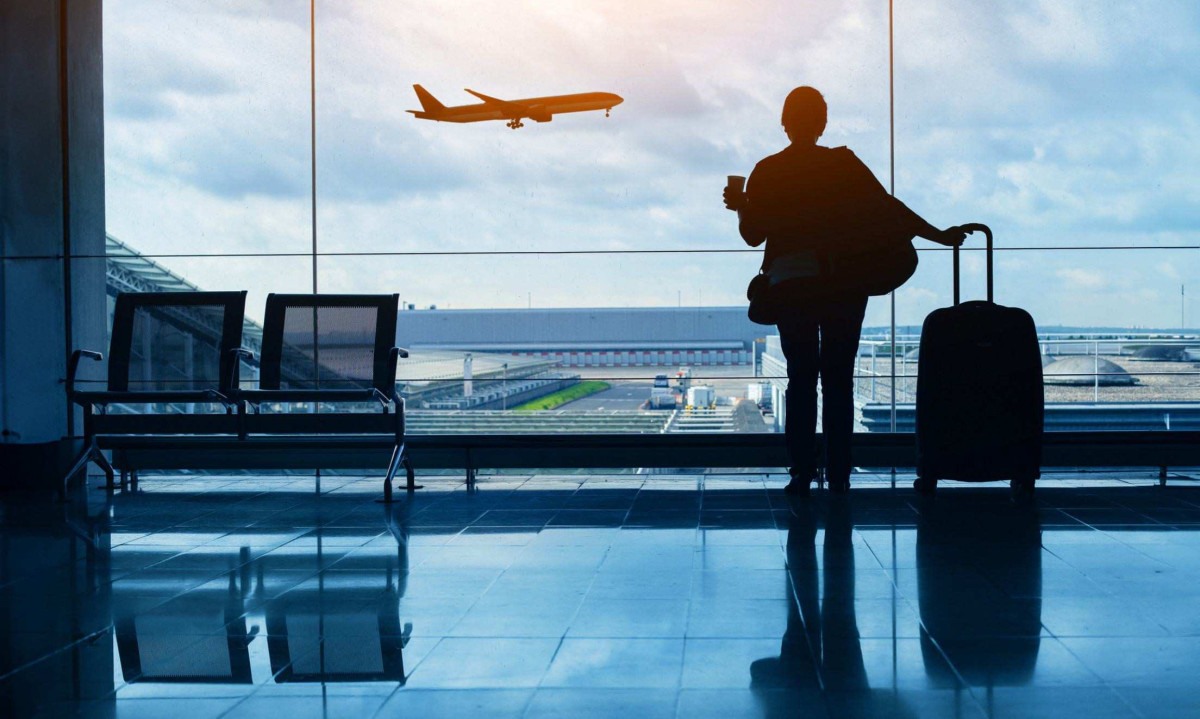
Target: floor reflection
337 626
578 597
978 566
979 570
821 647
199 638
331 634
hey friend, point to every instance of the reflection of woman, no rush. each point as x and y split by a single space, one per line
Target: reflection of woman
804 202
821 646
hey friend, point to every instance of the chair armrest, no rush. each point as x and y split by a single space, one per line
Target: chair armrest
219 398
239 353
381 398
396 353
73 367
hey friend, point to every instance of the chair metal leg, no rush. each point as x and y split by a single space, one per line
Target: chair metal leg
91 454
110 484
393 467
470 472
410 474
103 463
80 462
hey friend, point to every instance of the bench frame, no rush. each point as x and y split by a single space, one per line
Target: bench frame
471 453
259 440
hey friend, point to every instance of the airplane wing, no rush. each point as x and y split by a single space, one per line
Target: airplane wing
514 108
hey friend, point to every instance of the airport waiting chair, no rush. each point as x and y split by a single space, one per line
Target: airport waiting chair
177 351
332 353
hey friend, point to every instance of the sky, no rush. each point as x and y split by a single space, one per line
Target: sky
1060 123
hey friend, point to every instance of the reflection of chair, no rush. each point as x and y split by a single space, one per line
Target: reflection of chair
331 635
202 639
171 349
979 577
396 519
338 643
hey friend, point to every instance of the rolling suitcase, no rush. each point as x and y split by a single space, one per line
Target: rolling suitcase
979 391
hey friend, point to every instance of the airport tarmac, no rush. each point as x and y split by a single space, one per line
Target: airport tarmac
632 385
699 373
622 395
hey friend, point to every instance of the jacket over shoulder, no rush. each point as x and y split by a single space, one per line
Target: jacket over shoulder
817 199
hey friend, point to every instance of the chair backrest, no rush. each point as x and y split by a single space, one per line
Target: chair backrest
175 341
329 342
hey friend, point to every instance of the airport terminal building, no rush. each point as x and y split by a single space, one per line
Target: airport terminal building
596 337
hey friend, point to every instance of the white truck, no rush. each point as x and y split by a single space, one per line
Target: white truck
683 379
759 393
662 398
701 397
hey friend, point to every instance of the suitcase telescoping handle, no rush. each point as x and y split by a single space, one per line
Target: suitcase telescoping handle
987 232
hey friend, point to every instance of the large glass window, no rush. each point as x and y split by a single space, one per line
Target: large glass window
584 273
1070 129
206 141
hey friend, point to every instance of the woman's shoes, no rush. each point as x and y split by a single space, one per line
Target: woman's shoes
800 484
798 487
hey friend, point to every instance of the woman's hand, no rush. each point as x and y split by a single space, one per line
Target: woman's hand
734 199
950 237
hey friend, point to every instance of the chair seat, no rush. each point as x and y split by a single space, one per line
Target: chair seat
259 396
149 397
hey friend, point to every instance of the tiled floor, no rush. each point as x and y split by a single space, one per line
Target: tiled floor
622 596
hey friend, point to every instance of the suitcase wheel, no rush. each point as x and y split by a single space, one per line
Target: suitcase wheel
1022 488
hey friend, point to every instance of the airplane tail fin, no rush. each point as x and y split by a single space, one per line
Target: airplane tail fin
429 103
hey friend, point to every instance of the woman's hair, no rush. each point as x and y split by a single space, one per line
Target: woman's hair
805 112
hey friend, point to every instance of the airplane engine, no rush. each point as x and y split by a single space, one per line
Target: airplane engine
540 114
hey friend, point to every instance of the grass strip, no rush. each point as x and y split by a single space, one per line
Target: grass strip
557 399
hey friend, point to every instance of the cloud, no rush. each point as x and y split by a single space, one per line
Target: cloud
1079 278
1059 123
154 75
1169 271
917 294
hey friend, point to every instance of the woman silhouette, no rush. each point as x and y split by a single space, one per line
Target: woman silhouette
805 202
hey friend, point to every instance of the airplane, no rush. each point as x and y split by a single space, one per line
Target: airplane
538 109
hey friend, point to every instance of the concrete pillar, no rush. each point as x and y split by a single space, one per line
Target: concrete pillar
52 277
